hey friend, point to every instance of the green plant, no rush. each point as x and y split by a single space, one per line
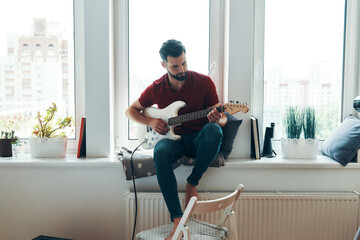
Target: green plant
10 135
309 123
45 127
293 121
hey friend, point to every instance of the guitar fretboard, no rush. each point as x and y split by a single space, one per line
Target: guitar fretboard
190 116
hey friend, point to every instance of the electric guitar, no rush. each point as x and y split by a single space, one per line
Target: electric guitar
170 115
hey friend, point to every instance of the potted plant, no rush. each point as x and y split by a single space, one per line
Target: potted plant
49 138
294 122
298 119
6 141
309 123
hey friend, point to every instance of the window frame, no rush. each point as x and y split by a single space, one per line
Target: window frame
78 40
350 62
79 73
121 29
238 26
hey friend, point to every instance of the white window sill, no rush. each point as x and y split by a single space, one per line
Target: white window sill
321 161
71 160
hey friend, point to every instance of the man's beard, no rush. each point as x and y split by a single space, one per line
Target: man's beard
179 77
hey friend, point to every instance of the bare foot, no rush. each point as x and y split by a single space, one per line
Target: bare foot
176 223
190 191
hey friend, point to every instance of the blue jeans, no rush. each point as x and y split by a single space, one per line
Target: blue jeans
204 145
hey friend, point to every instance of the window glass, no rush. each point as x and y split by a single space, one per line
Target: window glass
36 62
183 20
303 61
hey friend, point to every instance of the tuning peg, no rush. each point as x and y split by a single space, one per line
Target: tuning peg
231 101
237 102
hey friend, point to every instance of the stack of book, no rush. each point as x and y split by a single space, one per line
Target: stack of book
255 139
82 139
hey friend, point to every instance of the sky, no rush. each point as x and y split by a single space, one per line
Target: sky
301 33
26 11
187 22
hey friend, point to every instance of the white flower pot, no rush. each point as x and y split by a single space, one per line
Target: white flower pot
299 148
48 147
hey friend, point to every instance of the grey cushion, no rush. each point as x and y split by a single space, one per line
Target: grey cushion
198 230
229 134
144 165
343 143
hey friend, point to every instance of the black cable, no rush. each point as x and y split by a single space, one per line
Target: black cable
133 178
274 153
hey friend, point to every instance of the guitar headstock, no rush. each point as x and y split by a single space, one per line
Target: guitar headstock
233 108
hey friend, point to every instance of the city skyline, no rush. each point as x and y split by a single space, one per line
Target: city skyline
36 71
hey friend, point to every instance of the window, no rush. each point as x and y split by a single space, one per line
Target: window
149 29
303 60
38 76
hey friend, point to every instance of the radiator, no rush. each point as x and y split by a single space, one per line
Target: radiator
264 215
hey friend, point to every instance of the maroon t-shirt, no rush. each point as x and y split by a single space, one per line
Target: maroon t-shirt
198 92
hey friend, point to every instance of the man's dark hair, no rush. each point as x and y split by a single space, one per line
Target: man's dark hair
172 48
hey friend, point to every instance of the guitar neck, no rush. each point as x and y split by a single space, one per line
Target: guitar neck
190 116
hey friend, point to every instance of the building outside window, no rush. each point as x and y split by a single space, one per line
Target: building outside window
37 53
303 61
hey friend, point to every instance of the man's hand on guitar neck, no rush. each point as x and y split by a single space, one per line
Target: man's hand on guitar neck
158 125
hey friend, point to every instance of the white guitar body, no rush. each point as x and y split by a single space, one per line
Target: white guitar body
170 116
170 111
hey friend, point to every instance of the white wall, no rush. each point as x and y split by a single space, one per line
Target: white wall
69 202
97 77
86 203
239 65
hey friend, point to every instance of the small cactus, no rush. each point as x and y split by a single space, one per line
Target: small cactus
10 135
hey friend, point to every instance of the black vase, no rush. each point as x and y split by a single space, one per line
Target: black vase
5 148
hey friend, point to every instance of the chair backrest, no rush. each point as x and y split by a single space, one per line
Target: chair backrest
357 235
218 204
197 207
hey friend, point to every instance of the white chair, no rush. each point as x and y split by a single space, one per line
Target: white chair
194 229
357 235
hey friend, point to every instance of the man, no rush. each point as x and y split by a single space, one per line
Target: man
200 138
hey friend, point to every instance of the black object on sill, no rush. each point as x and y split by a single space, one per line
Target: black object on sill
267 150
5 147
